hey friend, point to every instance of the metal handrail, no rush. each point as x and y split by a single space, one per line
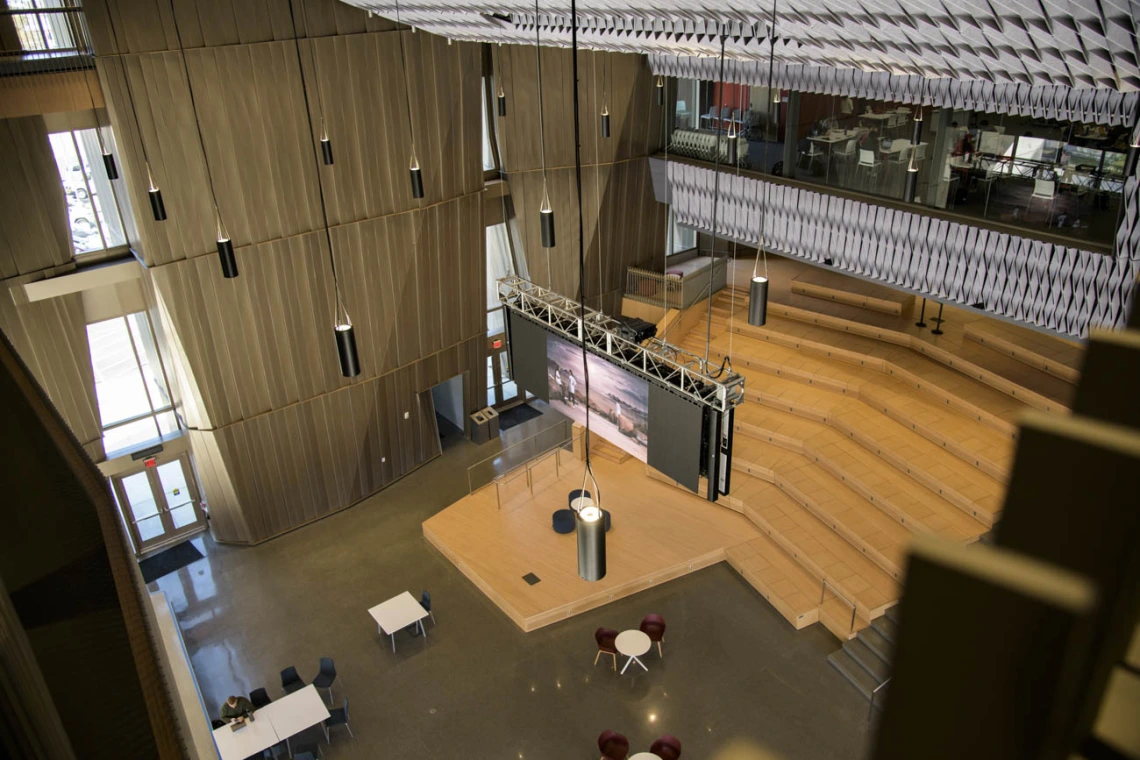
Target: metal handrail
566 436
874 693
823 593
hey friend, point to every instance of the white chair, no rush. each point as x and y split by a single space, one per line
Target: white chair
1044 190
867 162
993 173
845 155
951 179
813 153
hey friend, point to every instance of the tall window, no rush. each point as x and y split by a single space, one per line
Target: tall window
500 263
91 209
134 400
44 31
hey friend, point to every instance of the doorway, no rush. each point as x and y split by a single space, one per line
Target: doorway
159 504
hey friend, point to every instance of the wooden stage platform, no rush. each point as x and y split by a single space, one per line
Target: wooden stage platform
659 532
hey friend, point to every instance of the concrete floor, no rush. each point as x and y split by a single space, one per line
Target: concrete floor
478 687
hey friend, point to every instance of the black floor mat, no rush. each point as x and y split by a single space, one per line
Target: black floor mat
168 561
517 415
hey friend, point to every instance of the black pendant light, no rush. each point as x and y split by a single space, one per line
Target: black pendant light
226 257
590 519
326 143
545 210
109 165
660 85
342 326
605 101
157 207
730 147
414 173
758 287
500 94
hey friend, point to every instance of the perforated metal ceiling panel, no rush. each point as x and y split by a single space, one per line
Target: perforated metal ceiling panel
1075 43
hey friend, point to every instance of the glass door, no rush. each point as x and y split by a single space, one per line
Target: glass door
159 504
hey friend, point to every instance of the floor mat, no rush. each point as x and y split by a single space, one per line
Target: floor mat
517 415
168 561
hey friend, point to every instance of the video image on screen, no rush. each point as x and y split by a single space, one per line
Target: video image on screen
619 400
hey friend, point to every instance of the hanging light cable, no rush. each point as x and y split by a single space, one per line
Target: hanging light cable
730 147
910 186
758 287
326 144
590 519
157 207
342 324
545 210
660 84
224 244
605 100
716 194
414 164
109 164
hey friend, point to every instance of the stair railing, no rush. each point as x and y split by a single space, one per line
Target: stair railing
874 693
823 593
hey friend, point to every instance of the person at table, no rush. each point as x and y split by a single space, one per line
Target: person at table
236 708
964 146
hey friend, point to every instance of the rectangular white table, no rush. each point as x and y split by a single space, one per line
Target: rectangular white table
398 613
830 139
277 721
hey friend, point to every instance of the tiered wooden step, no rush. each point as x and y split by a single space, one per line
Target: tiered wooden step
829 286
779 578
817 549
905 429
1060 358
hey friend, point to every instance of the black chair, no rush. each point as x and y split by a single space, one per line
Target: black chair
425 602
327 677
562 521
290 681
338 717
307 752
259 698
217 723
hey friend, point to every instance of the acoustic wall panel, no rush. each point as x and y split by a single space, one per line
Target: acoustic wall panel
675 436
528 354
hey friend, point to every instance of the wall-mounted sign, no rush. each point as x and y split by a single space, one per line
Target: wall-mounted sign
150 462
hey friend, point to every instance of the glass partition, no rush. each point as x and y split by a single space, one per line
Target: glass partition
1048 176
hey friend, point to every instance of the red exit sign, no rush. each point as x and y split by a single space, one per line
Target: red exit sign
150 462
497 343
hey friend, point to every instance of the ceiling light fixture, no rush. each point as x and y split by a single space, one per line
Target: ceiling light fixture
660 89
605 101
342 324
157 207
545 211
225 246
326 144
500 96
413 165
109 164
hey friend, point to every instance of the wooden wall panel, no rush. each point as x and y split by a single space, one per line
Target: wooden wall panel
294 465
50 337
34 231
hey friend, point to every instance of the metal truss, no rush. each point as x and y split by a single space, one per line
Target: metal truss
655 360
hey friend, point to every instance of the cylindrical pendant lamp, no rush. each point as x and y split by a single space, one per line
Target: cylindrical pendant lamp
731 141
758 301
546 220
157 207
326 151
502 98
605 121
110 165
1130 160
346 349
660 90
591 534
417 177
226 256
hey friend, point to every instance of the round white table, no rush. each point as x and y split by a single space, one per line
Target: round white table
633 644
645 756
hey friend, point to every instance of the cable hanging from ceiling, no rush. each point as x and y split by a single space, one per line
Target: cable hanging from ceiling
496 64
719 97
109 164
414 164
758 287
154 194
545 210
589 519
910 186
225 246
342 324
326 143
605 99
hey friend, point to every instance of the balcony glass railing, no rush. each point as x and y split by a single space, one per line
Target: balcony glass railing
1048 177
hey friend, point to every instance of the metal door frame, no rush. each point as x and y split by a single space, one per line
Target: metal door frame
170 534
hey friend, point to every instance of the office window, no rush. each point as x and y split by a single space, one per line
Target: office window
500 263
91 209
488 154
682 238
135 407
40 32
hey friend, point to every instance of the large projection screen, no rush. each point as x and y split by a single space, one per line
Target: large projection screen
528 354
619 400
675 448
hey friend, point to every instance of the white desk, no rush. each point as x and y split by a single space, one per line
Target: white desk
632 644
398 613
250 739
292 714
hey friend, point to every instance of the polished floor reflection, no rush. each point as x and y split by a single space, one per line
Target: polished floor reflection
477 687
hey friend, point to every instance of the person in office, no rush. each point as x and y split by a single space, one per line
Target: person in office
236 708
